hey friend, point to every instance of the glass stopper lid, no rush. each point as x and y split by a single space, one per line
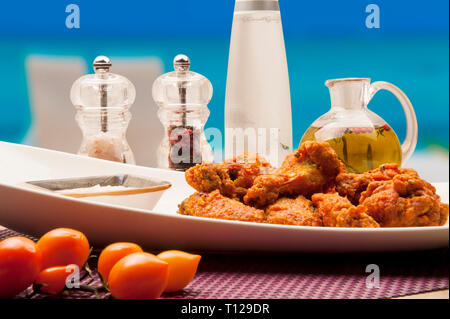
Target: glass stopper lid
103 88
181 86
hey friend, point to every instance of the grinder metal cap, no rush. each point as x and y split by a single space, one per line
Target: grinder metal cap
102 64
103 88
182 87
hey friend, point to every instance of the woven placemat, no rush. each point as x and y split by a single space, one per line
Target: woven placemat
296 276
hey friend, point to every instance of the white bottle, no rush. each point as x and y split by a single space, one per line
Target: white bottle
258 96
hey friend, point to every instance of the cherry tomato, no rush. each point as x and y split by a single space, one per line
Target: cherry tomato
182 268
112 254
62 247
138 276
53 279
20 263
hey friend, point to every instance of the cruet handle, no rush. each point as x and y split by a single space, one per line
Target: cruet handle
410 142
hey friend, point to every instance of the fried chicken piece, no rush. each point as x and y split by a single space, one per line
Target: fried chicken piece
288 211
443 210
232 178
404 201
215 205
244 168
337 211
311 169
352 185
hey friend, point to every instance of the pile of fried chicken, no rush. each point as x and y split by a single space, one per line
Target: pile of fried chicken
312 188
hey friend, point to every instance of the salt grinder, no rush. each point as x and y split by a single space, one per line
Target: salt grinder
103 100
182 97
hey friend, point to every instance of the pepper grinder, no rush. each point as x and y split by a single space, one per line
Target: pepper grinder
103 100
182 97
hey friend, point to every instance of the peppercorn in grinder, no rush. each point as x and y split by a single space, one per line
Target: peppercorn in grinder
182 97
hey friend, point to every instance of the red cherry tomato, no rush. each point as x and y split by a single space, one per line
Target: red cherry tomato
53 280
20 263
112 254
182 268
138 276
62 247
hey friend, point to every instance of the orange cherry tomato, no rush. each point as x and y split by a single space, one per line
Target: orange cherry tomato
112 254
62 247
182 268
138 276
20 263
53 279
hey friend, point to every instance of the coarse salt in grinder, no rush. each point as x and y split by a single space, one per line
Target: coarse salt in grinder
103 100
182 97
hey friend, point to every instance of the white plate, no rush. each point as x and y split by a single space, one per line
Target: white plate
35 212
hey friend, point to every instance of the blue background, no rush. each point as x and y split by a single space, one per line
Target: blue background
324 40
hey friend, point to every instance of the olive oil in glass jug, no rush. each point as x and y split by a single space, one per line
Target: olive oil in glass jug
362 139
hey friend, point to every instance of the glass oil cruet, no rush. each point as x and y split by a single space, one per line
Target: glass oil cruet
362 139
182 97
103 100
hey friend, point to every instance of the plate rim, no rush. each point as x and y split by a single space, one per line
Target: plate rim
127 209
134 210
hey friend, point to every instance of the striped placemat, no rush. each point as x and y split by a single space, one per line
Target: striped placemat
301 276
